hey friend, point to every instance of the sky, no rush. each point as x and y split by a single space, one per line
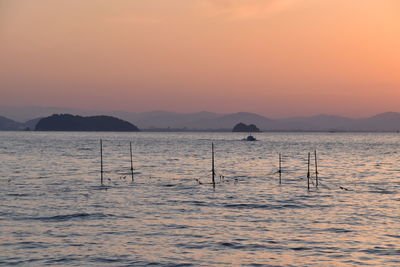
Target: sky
278 58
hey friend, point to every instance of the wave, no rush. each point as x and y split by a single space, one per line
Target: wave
73 216
264 206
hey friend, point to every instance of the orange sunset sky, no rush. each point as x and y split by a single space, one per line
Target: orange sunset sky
274 57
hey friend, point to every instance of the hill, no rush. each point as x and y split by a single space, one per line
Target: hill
8 125
208 121
67 122
241 127
30 125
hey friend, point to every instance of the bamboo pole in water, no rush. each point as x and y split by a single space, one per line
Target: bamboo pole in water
308 172
130 150
280 169
101 161
316 168
212 165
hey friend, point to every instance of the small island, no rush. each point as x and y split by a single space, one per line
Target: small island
244 128
68 122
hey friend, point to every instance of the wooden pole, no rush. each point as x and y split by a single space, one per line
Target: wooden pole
130 149
280 168
316 168
101 161
212 163
308 172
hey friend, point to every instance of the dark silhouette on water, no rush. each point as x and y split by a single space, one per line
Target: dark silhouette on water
316 168
250 138
67 122
308 172
280 169
243 128
212 163
101 162
130 148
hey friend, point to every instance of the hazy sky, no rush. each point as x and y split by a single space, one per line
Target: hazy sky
274 57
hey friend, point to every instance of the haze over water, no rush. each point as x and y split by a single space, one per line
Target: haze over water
54 213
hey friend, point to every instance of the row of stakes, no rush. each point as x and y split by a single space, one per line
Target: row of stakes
101 162
308 169
213 166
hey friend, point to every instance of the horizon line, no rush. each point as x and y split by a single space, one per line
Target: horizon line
195 112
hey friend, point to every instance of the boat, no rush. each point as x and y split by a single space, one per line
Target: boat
250 138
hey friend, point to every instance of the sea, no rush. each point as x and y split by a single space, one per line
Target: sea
54 211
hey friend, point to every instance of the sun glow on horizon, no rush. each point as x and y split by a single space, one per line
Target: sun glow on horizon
277 58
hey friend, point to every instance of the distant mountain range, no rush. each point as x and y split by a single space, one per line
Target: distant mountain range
163 120
11 125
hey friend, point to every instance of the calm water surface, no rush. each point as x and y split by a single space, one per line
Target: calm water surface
53 211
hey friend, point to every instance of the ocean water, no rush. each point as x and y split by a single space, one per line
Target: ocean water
55 213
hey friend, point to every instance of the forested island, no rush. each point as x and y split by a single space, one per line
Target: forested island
241 127
68 122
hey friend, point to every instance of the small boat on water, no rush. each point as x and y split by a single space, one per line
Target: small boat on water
250 138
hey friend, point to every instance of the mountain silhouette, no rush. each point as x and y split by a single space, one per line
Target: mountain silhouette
241 127
200 121
67 122
8 124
